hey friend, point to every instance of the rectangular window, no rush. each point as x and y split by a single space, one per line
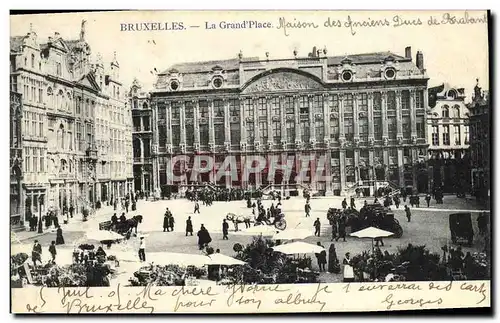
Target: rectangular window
363 129
234 107
319 130
317 104
42 161
290 130
289 105
456 135
250 132
162 135
419 100
41 131
334 129
58 69
377 128
70 140
333 103
446 135
162 113
348 103
276 132
363 102
392 127
405 100
420 128
204 134
137 123
303 105
248 104
189 109
203 106
176 135
275 106
263 131
348 128
35 160
235 133
435 135
219 134
218 108
145 124
175 110
189 135
391 101
305 130
262 107
34 124
406 127
466 135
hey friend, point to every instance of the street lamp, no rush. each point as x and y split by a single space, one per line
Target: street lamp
40 224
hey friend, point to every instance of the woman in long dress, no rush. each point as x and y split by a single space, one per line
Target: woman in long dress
59 236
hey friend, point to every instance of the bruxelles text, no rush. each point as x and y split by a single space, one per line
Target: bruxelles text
304 168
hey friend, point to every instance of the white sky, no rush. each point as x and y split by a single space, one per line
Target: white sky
455 54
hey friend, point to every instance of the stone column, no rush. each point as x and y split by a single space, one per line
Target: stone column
142 178
414 160
298 133
357 178
328 172
256 122
401 167
342 171
386 163
371 171
355 113
399 118
243 132
341 119
183 123
326 119
169 124
227 123
371 118
196 123
270 139
413 114
385 127
284 138
211 128
312 132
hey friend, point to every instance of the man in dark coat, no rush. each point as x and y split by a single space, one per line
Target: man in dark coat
59 236
225 229
342 232
189 226
171 222
52 250
71 210
166 224
36 253
428 199
126 206
353 205
123 218
321 257
203 237
408 213
307 209
317 227
196 207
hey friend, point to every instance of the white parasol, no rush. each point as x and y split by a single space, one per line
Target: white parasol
298 247
264 230
220 259
371 232
292 234
171 258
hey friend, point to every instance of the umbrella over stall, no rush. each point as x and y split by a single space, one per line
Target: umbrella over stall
297 248
371 232
223 260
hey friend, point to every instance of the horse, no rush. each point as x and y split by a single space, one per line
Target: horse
236 219
125 227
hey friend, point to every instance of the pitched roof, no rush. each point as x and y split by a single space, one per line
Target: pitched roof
233 63
16 43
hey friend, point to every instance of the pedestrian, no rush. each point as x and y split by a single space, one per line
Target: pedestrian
52 250
189 226
126 206
344 204
71 210
334 229
408 213
65 217
428 199
347 259
317 227
196 207
307 208
379 241
171 222
342 232
321 257
353 205
203 237
142 250
59 236
36 253
225 229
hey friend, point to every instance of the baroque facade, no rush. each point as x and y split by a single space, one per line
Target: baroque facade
448 137
480 142
16 159
365 112
143 139
66 99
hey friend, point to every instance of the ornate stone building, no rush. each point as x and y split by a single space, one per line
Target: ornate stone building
16 160
480 143
144 135
448 137
364 112
65 98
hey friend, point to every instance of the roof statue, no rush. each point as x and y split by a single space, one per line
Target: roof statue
82 30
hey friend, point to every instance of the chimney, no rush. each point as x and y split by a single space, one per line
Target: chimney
314 52
420 61
408 52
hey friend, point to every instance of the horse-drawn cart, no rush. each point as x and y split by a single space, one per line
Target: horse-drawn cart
461 228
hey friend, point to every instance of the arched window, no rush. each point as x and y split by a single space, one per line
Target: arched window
456 111
50 98
64 166
32 60
135 104
68 102
60 137
145 105
445 113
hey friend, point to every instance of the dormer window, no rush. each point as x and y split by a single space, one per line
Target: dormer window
390 73
217 82
174 85
452 94
347 76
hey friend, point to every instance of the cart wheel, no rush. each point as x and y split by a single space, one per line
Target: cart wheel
281 225
398 232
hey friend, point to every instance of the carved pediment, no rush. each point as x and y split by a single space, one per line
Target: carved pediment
283 81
